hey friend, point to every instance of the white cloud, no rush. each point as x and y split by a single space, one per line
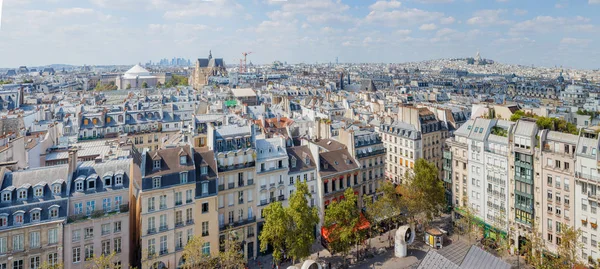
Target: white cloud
519 12
428 27
569 41
219 8
592 2
434 1
383 5
488 17
548 24
403 32
445 32
447 20
403 16
502 1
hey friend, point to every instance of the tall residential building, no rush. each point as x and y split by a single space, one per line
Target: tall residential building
33 209
458 170
234 147
403 146
166 206
206 225
99 219
587 193
557 186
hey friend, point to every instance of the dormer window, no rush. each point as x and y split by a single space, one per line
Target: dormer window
6 196
35 215
91 184
18 218
156 182
107 181
22 194
307 161
56 189
79 185
293 162
38 191
118 180
3 220
204 170
156 164
182 160
54 211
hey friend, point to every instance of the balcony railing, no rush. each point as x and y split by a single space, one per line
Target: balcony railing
221 187
523 164
225 168
164 252
151 230
189 222
281 197
587 176
237 223
250 181
98 214
230 185
263 202
272 169
179 224
163 228
361 154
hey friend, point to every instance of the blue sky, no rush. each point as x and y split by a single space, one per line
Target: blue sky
539 32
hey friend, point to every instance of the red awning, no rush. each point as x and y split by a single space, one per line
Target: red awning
334 200
355 192
342 197
362 224
327 202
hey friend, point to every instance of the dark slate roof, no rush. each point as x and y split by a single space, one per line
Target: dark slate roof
101 171
203 62
204 156
455 252
300 152
478 258
433 260
337 161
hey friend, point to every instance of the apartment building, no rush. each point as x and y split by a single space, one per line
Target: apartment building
235 150
33 208
167 206
496 175
402 143
206 224
587 193
303 167
558 177
98 220
526 175
367 148
458 153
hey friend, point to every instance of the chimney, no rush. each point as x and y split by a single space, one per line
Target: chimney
72 160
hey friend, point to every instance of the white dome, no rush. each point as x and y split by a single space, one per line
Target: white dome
137 70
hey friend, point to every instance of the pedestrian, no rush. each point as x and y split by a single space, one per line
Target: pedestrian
318 255
329 265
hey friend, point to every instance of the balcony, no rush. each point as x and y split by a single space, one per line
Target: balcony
595 178
263 202
163 252
230 185
163 228
98 214
250 181
523 164
524 178
189 222
221 187
179 224
281 198
178 203
263 187
447 155
447 167
151 231
366 153
237 223
226 168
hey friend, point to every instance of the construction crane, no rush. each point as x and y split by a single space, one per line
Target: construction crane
245 65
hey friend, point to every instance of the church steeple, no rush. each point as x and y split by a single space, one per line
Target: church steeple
209 54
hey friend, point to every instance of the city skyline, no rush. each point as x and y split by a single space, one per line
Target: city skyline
104 32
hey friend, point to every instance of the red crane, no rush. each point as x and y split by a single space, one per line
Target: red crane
245 65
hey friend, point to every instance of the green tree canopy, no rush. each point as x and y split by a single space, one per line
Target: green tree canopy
194 256
424 195
275 230
303 219
145 85
341 218
387 206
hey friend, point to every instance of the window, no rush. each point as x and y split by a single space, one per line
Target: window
39 192
89 232
151 225
151 247
204 170
35 216
106 204
105 247
105 228
6 197
91 184
189 195
3 245
18 264
76 235
118 202
151 201
117 226
178 218
156 164
188 216
89 251
156 183
183 177
76 254
78 208
162 202
117 244
182 160
18 242
18 219
34 262
79 185
34 239
163 244
163 222
204 188
178 198
53 259
54 212
22 194
205 207
90 207
205 228
118 180
53 236
206 248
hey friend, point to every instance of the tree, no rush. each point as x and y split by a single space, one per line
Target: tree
275 230
424 196
46 265
534 248
194 257
388 206
232 257
569 247
145 85
341 218
303 219
517 115
128 86
102 261
467 223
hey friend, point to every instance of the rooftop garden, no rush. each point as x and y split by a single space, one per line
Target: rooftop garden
499 131
553 124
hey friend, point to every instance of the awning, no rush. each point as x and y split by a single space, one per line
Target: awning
362 224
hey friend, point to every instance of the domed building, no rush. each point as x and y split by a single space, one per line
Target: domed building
135 78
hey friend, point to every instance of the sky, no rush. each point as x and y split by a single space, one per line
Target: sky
101 32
